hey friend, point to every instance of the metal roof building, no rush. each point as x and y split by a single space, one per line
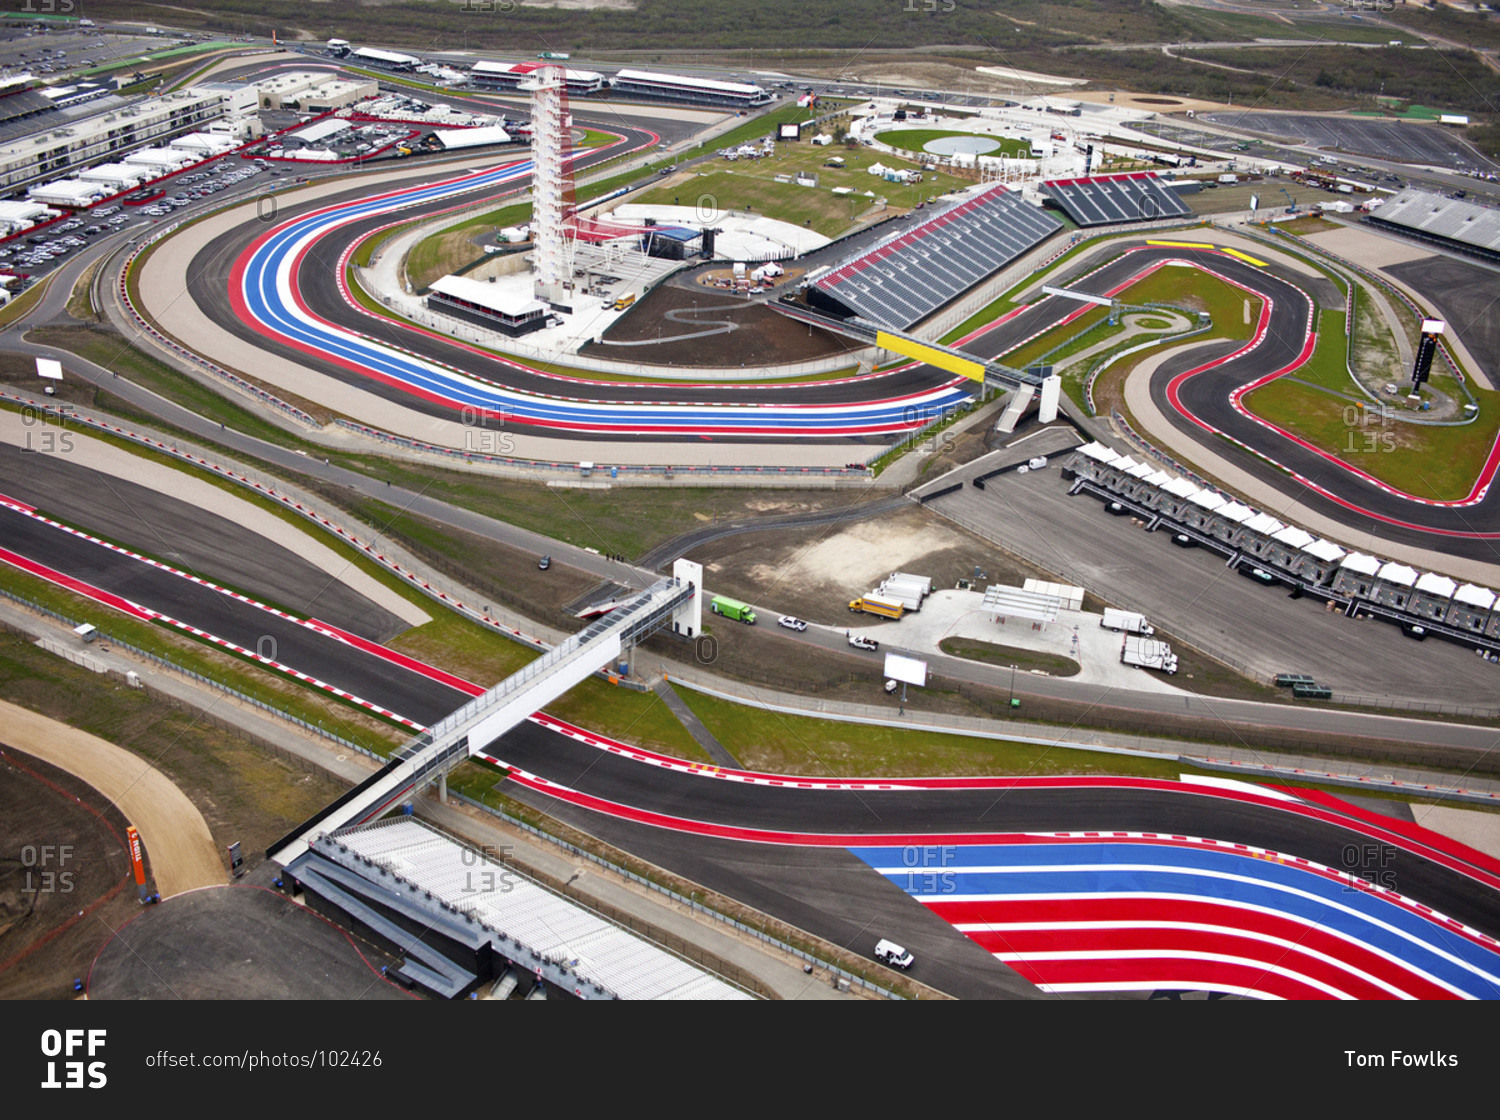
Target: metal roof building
488 917
1451 222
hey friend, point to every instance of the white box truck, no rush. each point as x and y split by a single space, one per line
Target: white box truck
1127 622
1148 653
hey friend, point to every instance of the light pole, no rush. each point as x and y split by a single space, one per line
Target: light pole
1012 686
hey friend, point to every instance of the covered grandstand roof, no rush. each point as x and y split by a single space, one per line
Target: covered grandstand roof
553 928
679 81
909 276
1105 199
1444 219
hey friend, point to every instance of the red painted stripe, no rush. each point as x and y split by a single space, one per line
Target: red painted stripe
17 503
1117 909
1182 943
1167 972
99 595
411 664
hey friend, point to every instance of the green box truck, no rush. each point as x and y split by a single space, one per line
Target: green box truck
733 608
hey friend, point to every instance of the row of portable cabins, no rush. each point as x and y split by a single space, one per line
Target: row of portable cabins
1277 546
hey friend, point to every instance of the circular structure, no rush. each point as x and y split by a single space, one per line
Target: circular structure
961 145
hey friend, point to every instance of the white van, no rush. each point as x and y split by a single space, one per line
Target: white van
888 952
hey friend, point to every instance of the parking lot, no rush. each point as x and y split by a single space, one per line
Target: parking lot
28 255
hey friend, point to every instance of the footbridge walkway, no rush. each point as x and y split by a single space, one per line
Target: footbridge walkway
467 731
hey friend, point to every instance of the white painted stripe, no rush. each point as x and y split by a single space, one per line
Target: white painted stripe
1145 954
1202 927
1253 907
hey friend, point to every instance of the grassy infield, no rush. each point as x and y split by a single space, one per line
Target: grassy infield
760 740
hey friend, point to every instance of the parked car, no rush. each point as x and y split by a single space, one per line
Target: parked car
544 563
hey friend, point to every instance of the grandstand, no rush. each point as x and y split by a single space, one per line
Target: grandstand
510 75
386 60
20 102
699 91
906 278
1460 226
1110 199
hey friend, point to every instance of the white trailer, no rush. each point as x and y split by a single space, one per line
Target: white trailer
903 589
899 594
1127 622
1148 653
924 582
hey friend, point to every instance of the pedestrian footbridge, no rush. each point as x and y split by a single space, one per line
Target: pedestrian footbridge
672 601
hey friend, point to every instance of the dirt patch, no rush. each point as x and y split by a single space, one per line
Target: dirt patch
814 572
65 877
760 336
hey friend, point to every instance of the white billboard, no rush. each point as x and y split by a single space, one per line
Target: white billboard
908 669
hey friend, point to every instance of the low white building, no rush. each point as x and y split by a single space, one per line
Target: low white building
70 192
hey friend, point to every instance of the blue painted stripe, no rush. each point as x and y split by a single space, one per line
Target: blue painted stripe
276 256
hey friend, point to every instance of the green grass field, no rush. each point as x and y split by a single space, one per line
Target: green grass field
751 184
1436 463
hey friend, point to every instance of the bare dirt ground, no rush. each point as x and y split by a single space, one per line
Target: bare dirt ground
65 879
814 572
182 852
762 337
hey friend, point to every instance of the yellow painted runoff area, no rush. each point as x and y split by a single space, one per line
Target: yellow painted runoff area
1246 257
932 355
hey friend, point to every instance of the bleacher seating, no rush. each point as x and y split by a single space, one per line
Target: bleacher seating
1110 199
906 278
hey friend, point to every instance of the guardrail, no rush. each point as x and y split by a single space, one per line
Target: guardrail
183 671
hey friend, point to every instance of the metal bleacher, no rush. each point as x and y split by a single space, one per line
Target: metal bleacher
1112 199
911 275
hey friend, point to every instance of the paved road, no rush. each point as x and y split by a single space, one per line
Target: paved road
1189 593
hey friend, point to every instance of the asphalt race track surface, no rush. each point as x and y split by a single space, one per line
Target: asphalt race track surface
187 537
1457 530
1464 292
821 891
406 693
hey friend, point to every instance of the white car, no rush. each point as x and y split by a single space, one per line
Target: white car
792 623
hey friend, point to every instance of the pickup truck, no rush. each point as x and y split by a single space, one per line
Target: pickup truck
859 641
